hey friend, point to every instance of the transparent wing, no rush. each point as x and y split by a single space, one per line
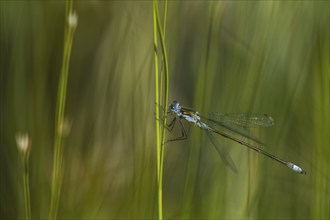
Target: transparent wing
222 152
236 122
243 119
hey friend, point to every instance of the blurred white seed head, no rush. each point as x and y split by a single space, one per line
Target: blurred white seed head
23 142
64 127
73 20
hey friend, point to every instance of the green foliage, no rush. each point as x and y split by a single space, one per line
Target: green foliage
228 56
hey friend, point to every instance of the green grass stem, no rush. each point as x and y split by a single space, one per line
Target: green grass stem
60 109
166 76
160 139
26 186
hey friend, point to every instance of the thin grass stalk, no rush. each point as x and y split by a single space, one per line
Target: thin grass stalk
26 187
60 109
157 103
166 77
24 146
161 69
165 18
160 138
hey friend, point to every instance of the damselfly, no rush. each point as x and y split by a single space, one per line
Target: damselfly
222 120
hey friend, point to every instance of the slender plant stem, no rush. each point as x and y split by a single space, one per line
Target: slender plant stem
26 187
166 76
161 69
165 18
157 28
60 109
162 42
157 103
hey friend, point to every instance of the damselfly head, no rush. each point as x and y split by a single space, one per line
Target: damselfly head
175 107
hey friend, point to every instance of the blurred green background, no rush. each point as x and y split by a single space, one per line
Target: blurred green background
228 56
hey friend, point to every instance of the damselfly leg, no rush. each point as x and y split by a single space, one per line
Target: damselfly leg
170 127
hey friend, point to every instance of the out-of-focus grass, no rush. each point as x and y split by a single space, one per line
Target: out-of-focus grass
228 56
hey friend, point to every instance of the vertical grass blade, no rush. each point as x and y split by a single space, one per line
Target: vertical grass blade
158 141
71 22
26 187
160 135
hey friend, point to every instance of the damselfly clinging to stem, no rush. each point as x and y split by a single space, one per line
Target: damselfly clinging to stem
209 124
